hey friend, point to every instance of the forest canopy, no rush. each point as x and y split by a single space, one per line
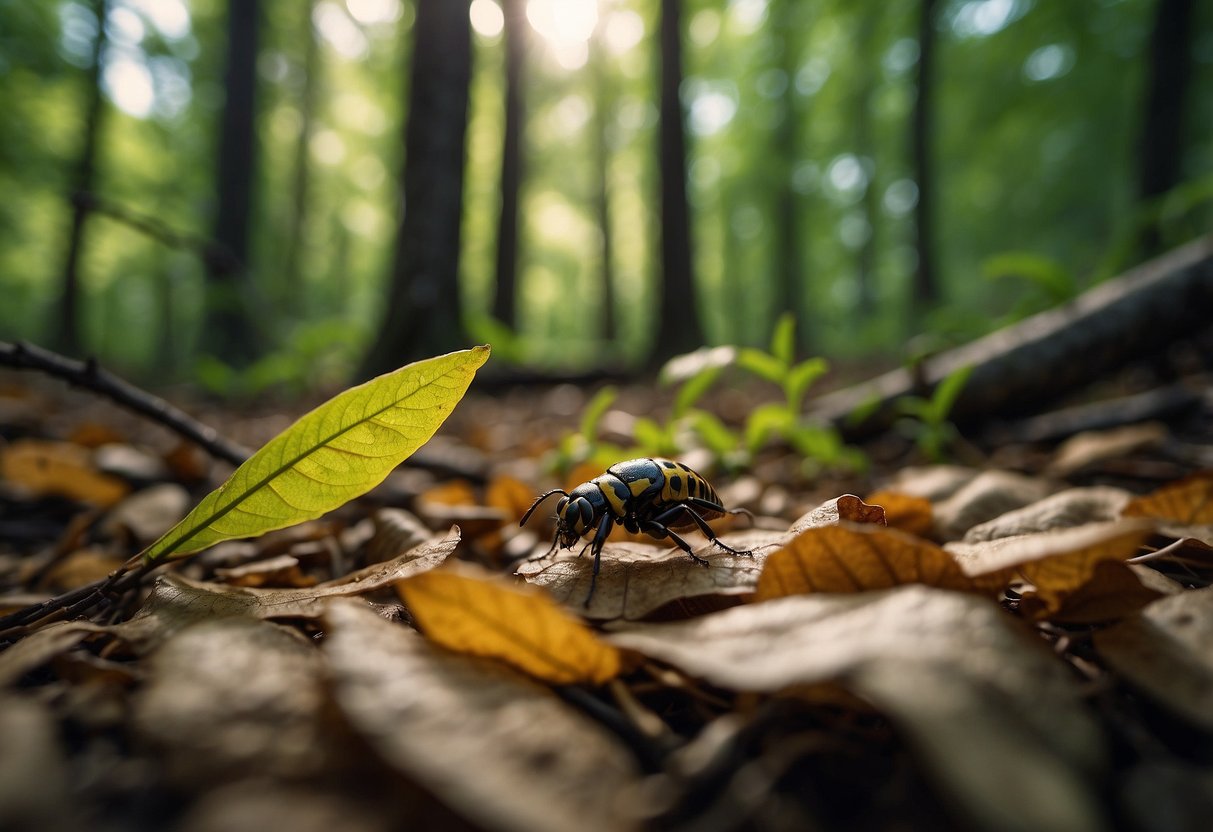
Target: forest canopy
214 191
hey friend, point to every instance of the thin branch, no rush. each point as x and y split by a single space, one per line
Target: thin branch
90 376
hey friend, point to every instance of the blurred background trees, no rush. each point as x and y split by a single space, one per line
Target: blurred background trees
219 191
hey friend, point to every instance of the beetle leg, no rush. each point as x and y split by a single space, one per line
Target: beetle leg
657 530
703 527
600 536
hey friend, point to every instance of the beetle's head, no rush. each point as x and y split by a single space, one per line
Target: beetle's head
574 517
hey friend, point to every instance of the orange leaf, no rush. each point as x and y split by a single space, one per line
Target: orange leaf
1112 592
856 558
904 511
509 494
1189 500
60 469
1060 576
453 493
468 610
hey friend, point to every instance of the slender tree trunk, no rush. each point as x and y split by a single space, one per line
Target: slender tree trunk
423 311
679 329
505 296
291 287
1168 77
603 109
788 246
68 323
230 333
926 287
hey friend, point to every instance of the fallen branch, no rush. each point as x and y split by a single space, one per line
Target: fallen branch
1054 353
90 376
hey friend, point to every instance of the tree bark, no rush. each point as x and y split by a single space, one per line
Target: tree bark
604 105
423 310
1056 352
1168 78
68 324
230 333
925 286
678 324
291 288
505 295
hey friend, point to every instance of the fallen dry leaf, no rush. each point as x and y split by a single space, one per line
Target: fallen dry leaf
986 496
847 508
233 697
468 610
906 512
147 514
396 531
935 483
280 571
80 567
493 746
61 469
1063 510
948 668
639 579
1183 508
1092 447
42 645
510 495
1167 652
1113 591
856 558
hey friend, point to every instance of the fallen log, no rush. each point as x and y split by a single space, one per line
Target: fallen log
1019 368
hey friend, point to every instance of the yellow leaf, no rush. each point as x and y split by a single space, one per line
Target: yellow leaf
1062 575
1189 500
339 451
1112 592
470 611
59 469
905 512
857 558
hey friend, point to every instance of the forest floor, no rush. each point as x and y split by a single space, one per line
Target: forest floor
1021 639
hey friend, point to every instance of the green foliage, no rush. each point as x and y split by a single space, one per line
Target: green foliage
926 420
1050 283
340 450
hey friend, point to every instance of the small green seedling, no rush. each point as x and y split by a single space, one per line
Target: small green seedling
926 419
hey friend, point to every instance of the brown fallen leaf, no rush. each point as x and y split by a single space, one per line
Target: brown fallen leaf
231 698
848 508
1113 591
935 483
61 469
468 610
857 558
147 514
981 700
986 496
177 602
1092 447
1183 508
510 495
906 512
493 746
396 531
1166 652
80 567
639 579
41 646
1063 510
280 571
452 493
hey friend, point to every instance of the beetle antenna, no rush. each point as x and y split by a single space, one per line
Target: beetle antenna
535 504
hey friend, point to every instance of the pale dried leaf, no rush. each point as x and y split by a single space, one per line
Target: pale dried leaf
995 717
231 698
638 579
493 746
848 507
396 532
986 496
279 571
990 556
931 482
1092 447
1065 509
906 512
147 514
1167 653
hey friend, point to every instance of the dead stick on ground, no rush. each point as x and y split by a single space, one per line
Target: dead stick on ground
90 376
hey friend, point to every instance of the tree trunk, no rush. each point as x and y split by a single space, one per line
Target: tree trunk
678 327
865 87
505 296
68 323
291 286
230 333
787 205
926 288
604 105
423 310
1168 77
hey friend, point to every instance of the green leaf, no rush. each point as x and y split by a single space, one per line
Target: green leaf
801 379
765 421
340 450
1045 273
761 364
694 389
714 433
649 435
594 412
948 390
783 342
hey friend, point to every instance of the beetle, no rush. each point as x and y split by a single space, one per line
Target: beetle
659 497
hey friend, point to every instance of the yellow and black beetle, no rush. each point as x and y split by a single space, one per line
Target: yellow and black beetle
659 497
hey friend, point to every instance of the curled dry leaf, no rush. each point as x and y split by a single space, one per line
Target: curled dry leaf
59 469
1063 510
983 498
468 610
177 601
1059 562
638 579
847 508
982 702
1183 508
495 747
857 558
231 698
1095 446
1114 590
906 512
396 531
1167 652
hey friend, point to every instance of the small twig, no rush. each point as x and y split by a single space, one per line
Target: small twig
80 600
90 376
